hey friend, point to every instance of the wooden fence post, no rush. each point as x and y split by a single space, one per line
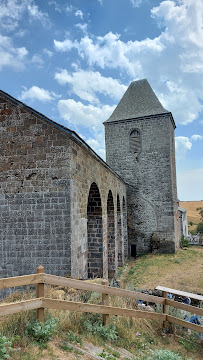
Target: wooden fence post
39 294
165 308
105 301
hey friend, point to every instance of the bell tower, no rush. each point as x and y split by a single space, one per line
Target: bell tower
140 147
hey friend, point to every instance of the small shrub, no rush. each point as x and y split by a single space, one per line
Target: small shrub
184 242
200 228
71 337
92 323
5 347
165 355
41 332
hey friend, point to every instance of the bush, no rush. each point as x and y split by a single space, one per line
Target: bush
200 228
184 242
92 323
165 355
41 332
5 346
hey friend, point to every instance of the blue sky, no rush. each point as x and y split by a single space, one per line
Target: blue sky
73 60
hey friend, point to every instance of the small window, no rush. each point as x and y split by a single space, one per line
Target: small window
135 141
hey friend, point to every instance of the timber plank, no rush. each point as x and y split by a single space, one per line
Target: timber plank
99 309
185 324
189 308
180 293
13 308
82 285
21 280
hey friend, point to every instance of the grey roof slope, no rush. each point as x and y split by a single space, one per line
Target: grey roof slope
139 100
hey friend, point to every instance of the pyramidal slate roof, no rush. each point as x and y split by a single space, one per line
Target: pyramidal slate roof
138 101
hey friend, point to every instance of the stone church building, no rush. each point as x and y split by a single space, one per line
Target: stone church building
65 208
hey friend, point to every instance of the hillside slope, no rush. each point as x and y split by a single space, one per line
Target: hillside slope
191 207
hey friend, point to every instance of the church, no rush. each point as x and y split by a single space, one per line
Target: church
64 207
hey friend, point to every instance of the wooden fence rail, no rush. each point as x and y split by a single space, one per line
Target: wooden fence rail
41 302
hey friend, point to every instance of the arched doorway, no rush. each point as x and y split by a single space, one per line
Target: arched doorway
94 233
111 236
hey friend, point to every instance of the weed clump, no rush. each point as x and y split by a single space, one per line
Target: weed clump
92 323
41 332
5 347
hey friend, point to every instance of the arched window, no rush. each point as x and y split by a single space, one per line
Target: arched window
135 141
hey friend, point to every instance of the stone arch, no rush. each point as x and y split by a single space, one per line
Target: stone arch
111 236
94 233
125 234
119 233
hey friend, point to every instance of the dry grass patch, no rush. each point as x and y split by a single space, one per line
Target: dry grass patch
182 271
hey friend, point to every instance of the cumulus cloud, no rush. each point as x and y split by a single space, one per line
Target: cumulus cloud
88 116
11 12
172 61
196 137
37 93
182 144
86 84
11 56
110 51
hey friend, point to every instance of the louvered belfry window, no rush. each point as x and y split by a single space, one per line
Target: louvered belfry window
135 141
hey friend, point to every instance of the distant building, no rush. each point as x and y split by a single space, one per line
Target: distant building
183 221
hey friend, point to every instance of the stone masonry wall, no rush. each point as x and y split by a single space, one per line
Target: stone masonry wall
87 169
150 175
34 193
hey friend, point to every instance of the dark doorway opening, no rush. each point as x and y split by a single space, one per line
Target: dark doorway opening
133 251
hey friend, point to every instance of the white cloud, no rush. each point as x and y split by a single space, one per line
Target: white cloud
190 185
182 144
82 27
12 11
110 51
36 59
86 84
11 56
172 61
36 93
48 52
136 3
38 15
196 137
69 8
79 13
87 116
56 6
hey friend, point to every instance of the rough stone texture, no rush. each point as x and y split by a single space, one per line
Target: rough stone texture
34 194
45 180
86 169
151 179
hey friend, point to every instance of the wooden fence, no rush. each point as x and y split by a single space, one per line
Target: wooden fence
41 302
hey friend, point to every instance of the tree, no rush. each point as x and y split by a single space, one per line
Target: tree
200 228
200 209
